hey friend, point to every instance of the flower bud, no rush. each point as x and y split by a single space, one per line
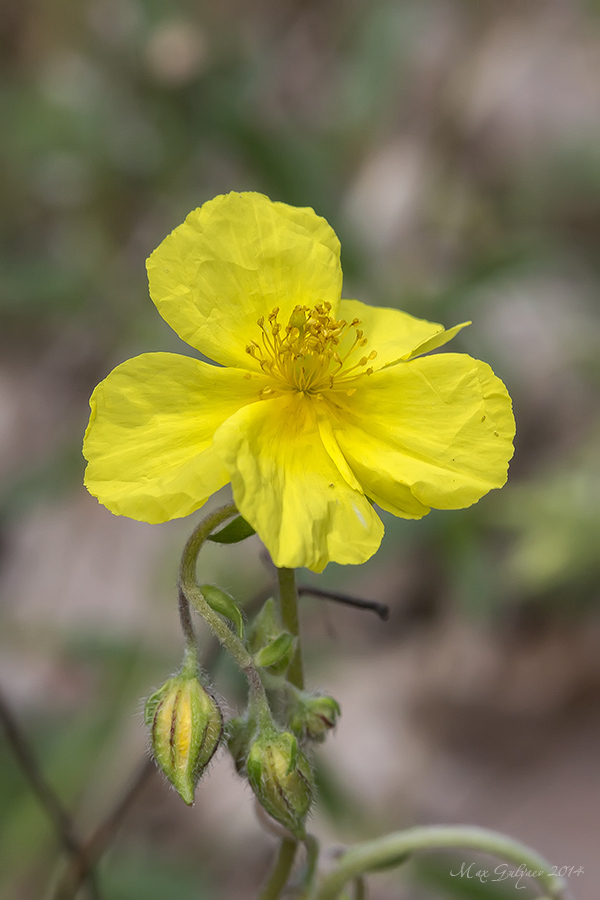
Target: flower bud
186 726
265 627
313 716
280 776
272 647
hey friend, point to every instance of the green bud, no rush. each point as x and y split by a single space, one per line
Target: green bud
186 726
276 655
265 627
272 647
280 775
313 716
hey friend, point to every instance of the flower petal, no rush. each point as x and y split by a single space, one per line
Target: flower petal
394 334
287 486
149 440
235 259
435 431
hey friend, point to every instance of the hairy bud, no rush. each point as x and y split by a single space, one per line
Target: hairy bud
271 646
186 726
280 776
313 716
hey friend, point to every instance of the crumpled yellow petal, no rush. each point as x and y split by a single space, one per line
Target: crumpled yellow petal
234 260
287 486
393 334
432 432
149 439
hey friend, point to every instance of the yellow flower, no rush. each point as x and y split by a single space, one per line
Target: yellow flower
317 406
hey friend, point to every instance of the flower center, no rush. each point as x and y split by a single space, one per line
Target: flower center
305 355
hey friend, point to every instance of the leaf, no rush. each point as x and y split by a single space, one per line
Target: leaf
277 654
223 603
236 531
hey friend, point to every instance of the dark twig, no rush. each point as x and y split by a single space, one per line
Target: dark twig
49 801
96 845
380 609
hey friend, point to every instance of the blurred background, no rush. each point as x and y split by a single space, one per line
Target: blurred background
454 147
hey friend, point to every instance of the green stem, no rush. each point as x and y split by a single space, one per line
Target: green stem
200 534
312 858
191 659
289 617
281 871
190 594
393 849
295 676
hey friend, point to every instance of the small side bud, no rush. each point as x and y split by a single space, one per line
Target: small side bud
280 776
313 716
186 726
271 646
277 655
264 627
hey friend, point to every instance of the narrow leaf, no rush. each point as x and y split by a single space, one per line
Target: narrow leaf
236 531
224 604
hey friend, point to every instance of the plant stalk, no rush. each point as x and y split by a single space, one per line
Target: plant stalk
394 849
281 871
289 616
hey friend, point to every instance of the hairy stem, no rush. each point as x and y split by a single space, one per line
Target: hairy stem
190 594
295 676
281 871
394 849
187 568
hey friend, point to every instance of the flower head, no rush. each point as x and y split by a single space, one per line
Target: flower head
317 408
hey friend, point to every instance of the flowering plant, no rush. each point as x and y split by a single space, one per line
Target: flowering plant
316 409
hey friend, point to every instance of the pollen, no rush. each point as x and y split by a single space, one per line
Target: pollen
312 354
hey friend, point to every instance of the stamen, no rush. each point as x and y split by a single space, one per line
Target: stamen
303 354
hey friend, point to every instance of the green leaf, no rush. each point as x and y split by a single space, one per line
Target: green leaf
276 654
224 604
236 531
